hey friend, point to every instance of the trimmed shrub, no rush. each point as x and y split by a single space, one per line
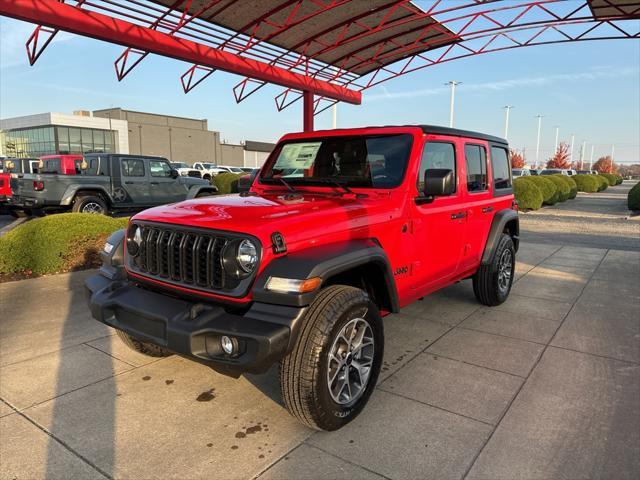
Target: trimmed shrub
603 182
613 178
226 182
562 185
586 183
527 193
573 188
550 193
56 243
633 198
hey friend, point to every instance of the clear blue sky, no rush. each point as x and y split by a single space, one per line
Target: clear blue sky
591 89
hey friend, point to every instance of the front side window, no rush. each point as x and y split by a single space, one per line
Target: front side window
500 168
159 169
363 161
439 155
476 158
51 165
132 167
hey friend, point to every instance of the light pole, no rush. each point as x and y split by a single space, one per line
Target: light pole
539 117
453 84
613 149
591 159
557 133
506 120
334 114
573 137
582 151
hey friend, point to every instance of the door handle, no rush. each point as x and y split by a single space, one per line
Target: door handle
457 216
487 209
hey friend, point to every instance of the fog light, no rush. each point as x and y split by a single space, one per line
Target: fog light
229 345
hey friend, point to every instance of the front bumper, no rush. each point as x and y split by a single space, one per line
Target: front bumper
264 333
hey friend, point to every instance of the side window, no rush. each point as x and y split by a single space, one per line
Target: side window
436 155
476 158
500 168
132 167
198 166
94 166
159 168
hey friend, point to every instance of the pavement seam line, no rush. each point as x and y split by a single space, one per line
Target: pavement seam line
595 355
500 335
346 460
476 365
112 356
268 467
421 402
536 363
58 440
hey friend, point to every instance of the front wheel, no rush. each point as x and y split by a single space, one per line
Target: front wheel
492 282
329 376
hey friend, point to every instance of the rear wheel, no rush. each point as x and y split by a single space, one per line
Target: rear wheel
90 204
492 282
148 349
329 376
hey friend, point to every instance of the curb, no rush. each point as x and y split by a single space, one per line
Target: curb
7 228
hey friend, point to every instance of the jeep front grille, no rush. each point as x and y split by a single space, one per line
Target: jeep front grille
192 259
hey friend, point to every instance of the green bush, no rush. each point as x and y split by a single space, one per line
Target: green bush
633 199
528 195
550 193
613 178
586 183
573 188
55 243
226 182
603 182
563 187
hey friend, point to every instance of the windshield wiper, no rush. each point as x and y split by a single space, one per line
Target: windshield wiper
334 182
286 184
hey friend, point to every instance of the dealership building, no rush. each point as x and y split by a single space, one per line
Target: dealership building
116 130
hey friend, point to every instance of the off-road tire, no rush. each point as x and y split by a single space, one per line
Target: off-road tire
485 281
148 349
303 373
82 202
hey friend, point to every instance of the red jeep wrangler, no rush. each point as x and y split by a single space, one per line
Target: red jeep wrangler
339 229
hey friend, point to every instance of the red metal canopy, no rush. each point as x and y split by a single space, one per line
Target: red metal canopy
322 51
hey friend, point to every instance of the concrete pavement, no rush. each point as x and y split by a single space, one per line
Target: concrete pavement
544 386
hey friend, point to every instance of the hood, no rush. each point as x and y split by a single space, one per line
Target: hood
300 218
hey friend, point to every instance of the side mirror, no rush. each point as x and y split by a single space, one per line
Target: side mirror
439 182
174 174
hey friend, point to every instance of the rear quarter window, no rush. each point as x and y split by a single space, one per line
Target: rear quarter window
501 169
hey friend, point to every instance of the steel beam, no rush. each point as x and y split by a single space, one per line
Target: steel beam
103 27
307 110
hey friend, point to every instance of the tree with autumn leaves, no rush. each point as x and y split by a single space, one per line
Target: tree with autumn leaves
517 159
605 165
561 157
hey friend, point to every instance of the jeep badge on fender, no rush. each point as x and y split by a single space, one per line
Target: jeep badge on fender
298 269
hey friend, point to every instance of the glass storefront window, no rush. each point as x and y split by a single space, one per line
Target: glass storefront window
39 141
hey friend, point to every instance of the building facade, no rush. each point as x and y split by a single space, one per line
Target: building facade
58 133
116 130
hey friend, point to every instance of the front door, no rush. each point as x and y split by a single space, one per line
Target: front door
163 187
134 181
439 225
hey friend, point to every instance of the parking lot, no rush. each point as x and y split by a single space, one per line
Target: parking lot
544 386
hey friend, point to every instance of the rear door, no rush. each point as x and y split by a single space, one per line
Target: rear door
162 187
134 181
480 204
439 226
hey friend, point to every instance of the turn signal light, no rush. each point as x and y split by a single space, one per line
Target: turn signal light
292 285
38 186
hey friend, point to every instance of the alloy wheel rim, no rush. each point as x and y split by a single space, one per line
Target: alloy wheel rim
350 361
505 270
92 207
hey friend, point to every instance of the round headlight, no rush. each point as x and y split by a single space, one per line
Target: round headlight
134 240
247 256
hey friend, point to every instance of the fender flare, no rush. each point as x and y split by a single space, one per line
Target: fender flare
324 262
72 190
500 221
196 189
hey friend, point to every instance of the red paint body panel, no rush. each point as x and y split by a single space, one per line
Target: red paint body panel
435 249
68 163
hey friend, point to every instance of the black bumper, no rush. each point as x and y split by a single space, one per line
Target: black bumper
264 333
27 202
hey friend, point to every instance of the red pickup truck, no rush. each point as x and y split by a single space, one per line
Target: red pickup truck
339 229
13 165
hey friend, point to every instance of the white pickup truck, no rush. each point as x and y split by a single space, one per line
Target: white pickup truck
208 170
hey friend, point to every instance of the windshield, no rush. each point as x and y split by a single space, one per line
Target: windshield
209 165
179 165
364 161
